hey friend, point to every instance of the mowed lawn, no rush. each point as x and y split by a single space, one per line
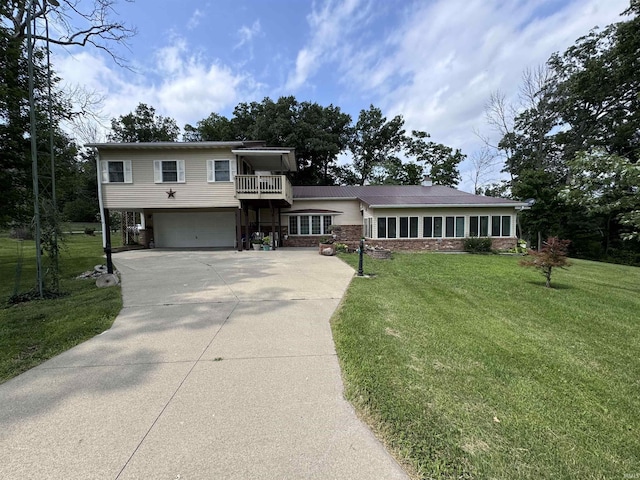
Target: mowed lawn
34 331
469 368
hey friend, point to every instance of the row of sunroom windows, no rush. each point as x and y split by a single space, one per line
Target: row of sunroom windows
408 227
438 227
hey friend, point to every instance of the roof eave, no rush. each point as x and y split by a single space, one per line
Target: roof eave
324 198
448 205
158 145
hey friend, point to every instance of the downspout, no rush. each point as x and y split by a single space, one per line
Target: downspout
106 234
100 202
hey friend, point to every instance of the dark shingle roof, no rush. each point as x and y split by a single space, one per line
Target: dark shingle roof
401 195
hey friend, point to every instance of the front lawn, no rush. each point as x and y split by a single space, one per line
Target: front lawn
35 331
468 367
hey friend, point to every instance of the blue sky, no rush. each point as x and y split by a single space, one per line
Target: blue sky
434 61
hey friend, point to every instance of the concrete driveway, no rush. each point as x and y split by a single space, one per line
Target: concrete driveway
220 366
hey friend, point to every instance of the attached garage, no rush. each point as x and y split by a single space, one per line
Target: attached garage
194 229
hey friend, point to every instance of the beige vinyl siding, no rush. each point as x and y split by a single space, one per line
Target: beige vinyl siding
350 209
195 192
465 212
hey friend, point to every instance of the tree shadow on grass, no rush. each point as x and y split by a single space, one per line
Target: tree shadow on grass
554 285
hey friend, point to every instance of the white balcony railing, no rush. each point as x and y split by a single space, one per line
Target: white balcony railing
263 186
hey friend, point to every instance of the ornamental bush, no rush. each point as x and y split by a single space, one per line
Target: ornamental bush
553 254
477 244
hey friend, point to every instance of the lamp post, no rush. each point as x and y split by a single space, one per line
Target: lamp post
31 19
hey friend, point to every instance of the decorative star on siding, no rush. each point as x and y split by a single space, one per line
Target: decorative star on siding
171 193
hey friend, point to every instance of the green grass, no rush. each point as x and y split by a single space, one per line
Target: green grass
70 227
469 368
35 331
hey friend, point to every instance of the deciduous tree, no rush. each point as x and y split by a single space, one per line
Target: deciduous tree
374 141
441 160
143 125
553 254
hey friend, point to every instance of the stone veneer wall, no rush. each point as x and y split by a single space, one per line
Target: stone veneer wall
351 234
436 244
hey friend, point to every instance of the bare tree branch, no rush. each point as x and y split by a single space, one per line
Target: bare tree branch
75 24
484 163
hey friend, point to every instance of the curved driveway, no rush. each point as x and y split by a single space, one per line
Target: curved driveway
221 365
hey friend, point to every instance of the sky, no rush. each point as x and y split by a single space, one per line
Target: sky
435 62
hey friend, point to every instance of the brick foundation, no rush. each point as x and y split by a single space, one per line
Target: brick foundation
347 234
436 244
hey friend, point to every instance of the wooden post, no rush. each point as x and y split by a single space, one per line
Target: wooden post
239 229
247 235
273 225
280 226
107 246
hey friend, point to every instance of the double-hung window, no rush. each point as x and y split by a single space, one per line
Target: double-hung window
220 170
116 171
168 171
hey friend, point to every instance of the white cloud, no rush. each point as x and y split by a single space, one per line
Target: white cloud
194 21
439 66
188 86
328 26
247 34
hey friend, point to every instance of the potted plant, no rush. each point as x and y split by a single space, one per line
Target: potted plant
327 246
257 243
266 243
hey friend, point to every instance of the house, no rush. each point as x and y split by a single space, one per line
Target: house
220 194
420 217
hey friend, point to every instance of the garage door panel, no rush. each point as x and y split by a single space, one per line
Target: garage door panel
201 229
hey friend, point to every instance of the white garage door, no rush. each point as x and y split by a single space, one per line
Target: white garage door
202 229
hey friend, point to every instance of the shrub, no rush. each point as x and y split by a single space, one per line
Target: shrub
552 254
477 244
342 247
21 233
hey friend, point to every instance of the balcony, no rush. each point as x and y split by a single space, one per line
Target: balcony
264 187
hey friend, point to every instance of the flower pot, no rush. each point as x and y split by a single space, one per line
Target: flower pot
256 246
328 249
266 248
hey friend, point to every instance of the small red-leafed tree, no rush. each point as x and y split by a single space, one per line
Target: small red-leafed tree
553 254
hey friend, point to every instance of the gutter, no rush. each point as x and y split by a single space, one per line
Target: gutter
100 201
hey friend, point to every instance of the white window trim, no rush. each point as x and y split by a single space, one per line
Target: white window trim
310 234
104 170
374 227
157 171
408 237
211 170
443 217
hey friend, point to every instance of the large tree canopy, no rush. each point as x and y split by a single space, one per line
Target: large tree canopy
143 125
72 23
321 134
373 142
574 145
